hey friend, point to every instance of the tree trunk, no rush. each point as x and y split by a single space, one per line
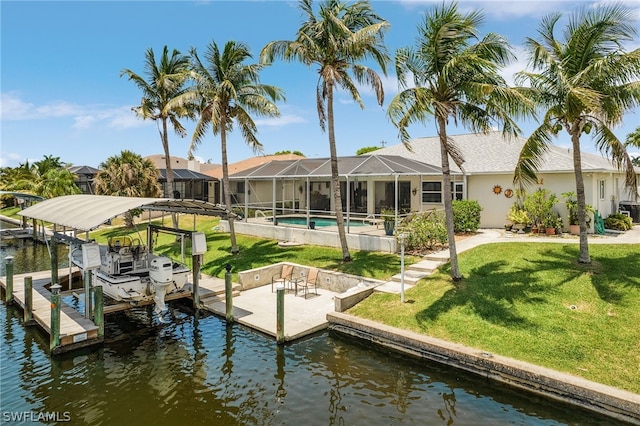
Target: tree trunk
225 185
582 205
168 192
335 178
448 206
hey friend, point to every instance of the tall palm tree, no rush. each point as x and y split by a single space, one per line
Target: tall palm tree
583 82
336 41
167 80
47 178
229 90
455 77
128 175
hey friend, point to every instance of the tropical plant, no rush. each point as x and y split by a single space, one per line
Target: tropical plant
229 90
129 175
336 40
425 231
618 221
457 77
47 178
167 80
367 149
539 205
466 215
517 215
583 83
633 140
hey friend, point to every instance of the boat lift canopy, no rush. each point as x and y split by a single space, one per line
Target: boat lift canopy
86 212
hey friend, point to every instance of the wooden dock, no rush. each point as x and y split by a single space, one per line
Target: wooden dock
76 331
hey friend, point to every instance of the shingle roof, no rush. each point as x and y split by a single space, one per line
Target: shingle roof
491 153
251 163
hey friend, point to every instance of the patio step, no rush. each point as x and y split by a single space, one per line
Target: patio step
426 265
410 276
392 287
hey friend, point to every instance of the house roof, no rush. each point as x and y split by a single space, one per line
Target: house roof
86 212
181 163
183 175
250 163
492 153
358 165
84 170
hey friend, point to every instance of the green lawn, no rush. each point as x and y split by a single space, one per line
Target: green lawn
535 303
528 301
256 252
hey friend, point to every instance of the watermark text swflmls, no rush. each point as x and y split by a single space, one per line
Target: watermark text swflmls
35 416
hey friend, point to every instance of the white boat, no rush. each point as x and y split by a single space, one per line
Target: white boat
129 273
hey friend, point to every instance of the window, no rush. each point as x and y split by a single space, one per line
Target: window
601 191
457 190
431 192
240 187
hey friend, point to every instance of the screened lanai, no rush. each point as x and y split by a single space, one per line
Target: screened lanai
369 185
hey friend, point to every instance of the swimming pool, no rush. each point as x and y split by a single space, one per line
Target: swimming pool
320 221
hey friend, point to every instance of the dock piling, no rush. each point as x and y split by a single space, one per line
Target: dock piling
28 301
87 293
54 258
54 338
98 312
8 267
228 294
196 281
280 313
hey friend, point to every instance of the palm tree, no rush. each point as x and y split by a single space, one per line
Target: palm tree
166 81
456 77
584 82
633 140
336 40
128 175
47 178
229 90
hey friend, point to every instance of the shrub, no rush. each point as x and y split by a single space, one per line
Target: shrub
618 221
466 215
425 231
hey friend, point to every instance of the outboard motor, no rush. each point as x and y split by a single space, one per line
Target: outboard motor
161 275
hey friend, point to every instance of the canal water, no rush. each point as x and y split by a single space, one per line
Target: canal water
194 369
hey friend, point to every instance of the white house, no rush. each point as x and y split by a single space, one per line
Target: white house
490 161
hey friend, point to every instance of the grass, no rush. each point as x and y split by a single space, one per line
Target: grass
256 252
539 306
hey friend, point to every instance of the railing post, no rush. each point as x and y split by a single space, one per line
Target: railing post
98 318
54 338
228 294
280 313
8 267
28 301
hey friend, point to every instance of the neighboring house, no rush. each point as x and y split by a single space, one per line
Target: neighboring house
490 161
85 176
189 178
237 187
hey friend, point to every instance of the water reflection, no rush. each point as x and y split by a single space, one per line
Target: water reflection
201 371
195 369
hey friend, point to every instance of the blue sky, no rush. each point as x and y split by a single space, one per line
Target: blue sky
62 93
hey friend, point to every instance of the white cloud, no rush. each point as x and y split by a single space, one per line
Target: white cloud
283 120
14 108
501 9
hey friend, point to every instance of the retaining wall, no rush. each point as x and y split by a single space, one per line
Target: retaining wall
564 387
